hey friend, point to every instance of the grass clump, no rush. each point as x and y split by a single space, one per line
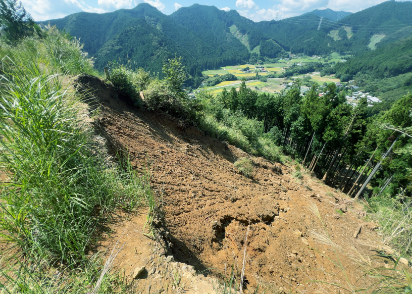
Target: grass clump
298 174
53 51
394 216
60 186
245 166
36 276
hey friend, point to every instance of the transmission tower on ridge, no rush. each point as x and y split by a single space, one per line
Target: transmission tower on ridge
320 23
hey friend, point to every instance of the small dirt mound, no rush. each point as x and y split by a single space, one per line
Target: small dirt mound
208 205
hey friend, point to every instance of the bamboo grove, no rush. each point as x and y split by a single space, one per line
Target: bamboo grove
336 141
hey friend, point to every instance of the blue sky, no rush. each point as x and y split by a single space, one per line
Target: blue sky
256 10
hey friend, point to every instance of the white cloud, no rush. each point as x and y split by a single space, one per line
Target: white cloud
156 3
286 8
352 6
115 4
83 6
225 9
246 4
177 6
263 14
46 9
289 8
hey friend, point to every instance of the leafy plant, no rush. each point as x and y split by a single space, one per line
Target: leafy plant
123 81
175 75
298 174
245 166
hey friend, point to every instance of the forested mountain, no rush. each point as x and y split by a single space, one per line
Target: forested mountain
372 27
207 37
142 36
330 14
386 72
387 61
298 34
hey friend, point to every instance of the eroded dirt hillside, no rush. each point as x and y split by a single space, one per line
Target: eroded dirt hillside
299 230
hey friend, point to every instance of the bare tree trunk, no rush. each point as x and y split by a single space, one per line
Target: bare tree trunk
330 166
350 167
376 169
310 145
354 184
311 163
334 158
336 171
320 154
354 172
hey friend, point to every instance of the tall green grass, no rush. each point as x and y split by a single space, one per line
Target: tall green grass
61 187
35 276
53 52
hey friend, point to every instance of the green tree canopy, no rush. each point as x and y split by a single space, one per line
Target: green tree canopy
15 21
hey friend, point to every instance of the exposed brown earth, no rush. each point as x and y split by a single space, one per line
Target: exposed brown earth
300 231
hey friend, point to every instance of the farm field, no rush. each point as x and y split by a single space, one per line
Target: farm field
328 79
215 72
274 85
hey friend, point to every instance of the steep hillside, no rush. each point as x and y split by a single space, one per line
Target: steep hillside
298 34
387 61
384 23
213 25
209 207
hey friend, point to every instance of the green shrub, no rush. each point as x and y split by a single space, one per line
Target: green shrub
123 81
269 150
245 166
157 94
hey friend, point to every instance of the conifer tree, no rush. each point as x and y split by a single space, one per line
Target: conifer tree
15 21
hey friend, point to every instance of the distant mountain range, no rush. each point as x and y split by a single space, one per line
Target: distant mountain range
330 14
207 37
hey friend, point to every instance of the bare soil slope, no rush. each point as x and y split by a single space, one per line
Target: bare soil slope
299 230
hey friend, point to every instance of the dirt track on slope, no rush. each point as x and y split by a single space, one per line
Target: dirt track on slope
297 234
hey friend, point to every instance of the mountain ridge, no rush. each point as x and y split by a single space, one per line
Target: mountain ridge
329 14
207 37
